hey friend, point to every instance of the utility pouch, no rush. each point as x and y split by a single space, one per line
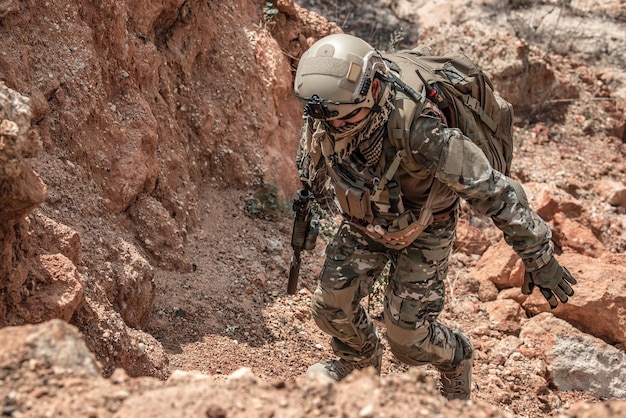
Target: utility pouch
354 200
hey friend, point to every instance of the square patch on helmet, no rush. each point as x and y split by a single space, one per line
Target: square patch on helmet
354 72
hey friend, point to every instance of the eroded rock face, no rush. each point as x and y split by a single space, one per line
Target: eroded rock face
21 189
40 279
135 107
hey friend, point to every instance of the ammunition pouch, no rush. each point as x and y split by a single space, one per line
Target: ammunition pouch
354 200
402 230
354 195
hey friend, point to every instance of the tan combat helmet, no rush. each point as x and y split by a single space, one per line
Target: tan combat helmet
334 76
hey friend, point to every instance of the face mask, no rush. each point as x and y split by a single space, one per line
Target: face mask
347 138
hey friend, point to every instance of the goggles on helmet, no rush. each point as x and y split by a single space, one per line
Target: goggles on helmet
317 108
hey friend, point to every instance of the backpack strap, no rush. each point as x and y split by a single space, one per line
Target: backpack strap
399 129
474 104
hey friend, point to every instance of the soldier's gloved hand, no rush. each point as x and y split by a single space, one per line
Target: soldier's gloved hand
553 280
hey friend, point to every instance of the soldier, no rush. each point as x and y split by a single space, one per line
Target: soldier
348 91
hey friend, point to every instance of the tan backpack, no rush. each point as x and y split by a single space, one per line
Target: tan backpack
462 90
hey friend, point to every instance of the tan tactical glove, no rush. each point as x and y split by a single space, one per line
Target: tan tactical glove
552 280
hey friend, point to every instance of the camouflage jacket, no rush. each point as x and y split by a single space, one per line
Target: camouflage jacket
446 156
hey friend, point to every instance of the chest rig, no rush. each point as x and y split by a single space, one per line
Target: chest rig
371 197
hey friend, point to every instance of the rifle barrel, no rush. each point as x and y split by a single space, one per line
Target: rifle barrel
294 272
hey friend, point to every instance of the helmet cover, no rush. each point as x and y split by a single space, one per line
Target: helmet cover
334 76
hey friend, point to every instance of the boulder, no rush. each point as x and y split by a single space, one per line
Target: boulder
576 361
55 236
612 191
505 315
570 234
501 266
598 306
54 345
59 291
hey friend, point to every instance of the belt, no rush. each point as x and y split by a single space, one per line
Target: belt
441 216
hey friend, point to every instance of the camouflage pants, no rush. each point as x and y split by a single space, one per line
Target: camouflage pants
413 299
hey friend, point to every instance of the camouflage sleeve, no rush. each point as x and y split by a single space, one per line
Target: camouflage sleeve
311 168
303 156
464 168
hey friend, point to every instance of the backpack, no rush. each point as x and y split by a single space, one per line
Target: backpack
462 91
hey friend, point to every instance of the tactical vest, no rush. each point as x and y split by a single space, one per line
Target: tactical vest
371 197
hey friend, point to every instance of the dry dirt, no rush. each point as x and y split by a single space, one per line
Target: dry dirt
230 310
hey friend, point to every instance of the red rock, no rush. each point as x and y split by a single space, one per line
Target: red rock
505 315
598 306
547 201
612 191
500 265
571 234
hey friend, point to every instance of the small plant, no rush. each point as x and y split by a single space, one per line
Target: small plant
266 203
269 10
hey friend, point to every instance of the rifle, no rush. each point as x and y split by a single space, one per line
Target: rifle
303 235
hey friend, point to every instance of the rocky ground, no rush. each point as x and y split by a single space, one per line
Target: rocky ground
223 306
287 334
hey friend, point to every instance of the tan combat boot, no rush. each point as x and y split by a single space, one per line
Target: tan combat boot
338 369
456 383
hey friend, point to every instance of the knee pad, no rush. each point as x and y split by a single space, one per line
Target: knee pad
418 347
413 347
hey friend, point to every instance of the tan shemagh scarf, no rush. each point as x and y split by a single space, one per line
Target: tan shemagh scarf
348 138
